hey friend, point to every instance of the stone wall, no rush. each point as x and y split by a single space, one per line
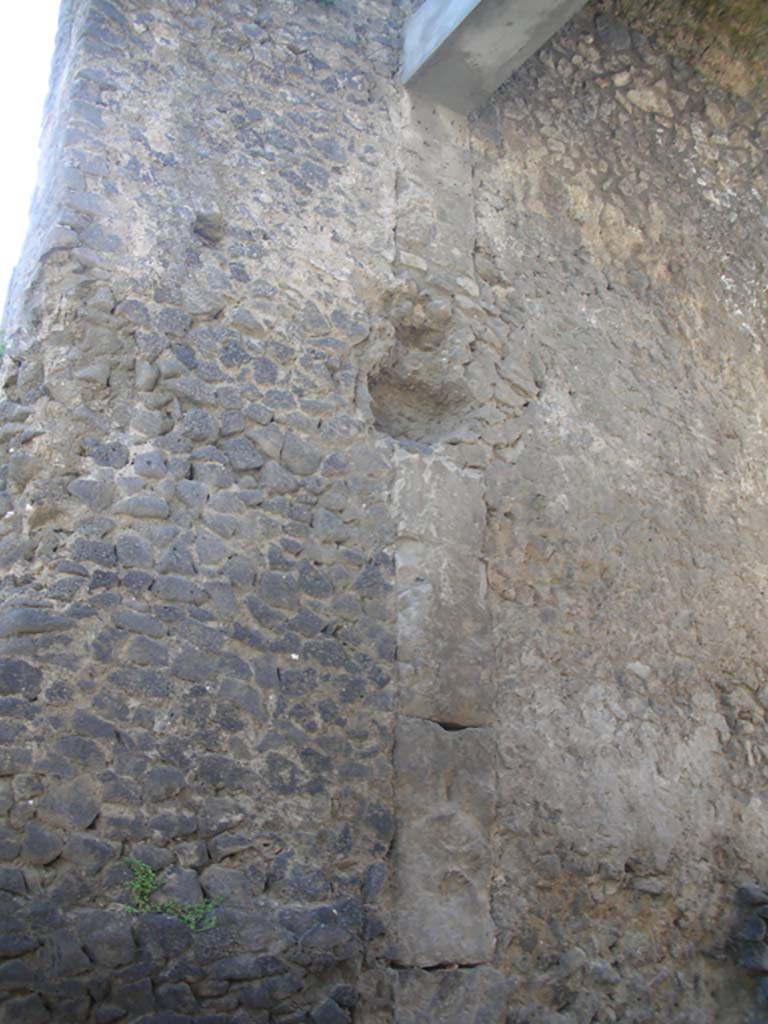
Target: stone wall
381 537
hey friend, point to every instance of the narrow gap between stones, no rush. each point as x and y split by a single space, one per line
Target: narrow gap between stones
447 965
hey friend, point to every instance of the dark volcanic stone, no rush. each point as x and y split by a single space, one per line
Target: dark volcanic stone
41 845
62 954
113 454
16 944
176 996
23 621
15 974
345 995
12 880
169 825
246 968
226 885
612 33
753 929
108 938
270 993
135 996
163 782
10 843
89 852
752 895
19 678
329 1012
162 936
26 1010
105 1013
72 804
755 958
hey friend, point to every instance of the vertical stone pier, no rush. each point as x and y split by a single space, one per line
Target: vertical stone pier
445 744
444 747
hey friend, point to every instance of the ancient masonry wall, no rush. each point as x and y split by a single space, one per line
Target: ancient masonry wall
382 532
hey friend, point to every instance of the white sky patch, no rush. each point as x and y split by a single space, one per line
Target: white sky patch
26 52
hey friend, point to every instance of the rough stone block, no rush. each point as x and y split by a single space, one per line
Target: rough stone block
22 621
474 996
144 506
41 845
72 804
445 651
445 794
19 678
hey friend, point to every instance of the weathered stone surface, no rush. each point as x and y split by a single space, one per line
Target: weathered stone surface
26 1010
19 678
329 1012
445 793
298 456
445 647
107 938
144 506
72 804
499 377
24 621
226 885
12 880
476 995
41 845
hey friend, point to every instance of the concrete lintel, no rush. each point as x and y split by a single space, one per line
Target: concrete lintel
458 52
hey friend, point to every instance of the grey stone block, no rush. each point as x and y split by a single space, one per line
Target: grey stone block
329 1012
181 884
138 622
12 880
151 465
25 621
96 494
243 454
143 506
71 804
445 648
227 885
89 852
108 938
299 457
463 996
19 679
445 796
26 1010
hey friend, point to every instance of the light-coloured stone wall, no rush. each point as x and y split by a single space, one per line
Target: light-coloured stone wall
626 202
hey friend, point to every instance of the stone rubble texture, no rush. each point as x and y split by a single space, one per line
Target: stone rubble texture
382 532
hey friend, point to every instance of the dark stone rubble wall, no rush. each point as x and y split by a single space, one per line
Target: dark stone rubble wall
197 621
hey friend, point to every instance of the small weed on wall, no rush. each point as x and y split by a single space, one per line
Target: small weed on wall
199 917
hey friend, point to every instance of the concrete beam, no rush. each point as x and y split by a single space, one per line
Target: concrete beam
458 52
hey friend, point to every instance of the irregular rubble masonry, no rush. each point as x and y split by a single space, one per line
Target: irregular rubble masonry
382 532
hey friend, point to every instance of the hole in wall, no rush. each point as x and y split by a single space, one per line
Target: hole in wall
418 388
411 408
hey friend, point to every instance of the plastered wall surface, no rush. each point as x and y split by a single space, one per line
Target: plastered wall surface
383 532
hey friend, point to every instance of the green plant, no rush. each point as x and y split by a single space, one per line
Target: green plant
142 886
198 917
